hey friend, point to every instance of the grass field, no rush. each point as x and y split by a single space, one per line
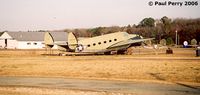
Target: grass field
182 66
143 65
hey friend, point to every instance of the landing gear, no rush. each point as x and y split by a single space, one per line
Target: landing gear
107 53
121 52
115 52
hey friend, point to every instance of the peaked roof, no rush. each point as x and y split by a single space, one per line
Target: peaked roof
1 33
37 36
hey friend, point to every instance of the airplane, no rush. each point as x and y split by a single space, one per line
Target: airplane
119 41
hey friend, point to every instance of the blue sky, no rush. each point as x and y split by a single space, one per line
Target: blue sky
24 15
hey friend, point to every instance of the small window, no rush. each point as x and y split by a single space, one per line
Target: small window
88 45
28 43
115 39
94 44
110 40
35 43
99 43
104 42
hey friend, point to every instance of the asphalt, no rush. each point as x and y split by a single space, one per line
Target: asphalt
136 87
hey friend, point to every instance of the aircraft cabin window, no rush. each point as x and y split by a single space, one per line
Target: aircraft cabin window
99 43
104 41
88 45
94 44
110 40
28 43
115 39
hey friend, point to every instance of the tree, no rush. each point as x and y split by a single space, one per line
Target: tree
129 29
165 20
147 22
166 24
193 42
169 41
41 31
96 31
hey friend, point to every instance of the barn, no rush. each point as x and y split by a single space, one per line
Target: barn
28 40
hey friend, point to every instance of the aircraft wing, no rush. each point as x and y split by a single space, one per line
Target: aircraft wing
62 46
130 41
61 43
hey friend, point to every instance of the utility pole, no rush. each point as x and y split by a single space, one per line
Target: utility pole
176 38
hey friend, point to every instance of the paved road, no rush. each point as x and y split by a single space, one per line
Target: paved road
102 85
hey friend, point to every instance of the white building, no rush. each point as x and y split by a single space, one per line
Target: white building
28 40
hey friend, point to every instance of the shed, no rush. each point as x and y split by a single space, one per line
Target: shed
28 40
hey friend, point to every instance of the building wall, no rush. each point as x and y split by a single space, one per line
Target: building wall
2 43
30 45
11 44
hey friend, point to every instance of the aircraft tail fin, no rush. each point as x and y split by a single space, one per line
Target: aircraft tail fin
72 41
48 40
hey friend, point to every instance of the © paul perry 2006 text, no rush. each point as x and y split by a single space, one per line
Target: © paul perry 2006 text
176 3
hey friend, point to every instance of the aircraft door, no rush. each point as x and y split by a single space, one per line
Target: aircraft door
6 43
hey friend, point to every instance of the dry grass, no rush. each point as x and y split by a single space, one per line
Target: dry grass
182 66
49 91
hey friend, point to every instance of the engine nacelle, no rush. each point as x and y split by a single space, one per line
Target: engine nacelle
79 48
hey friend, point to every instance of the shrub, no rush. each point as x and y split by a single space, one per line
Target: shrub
169 41
193 42
163 42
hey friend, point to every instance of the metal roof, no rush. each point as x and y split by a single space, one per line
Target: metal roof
37 36
59 36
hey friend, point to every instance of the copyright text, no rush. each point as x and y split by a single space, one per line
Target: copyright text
173 3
